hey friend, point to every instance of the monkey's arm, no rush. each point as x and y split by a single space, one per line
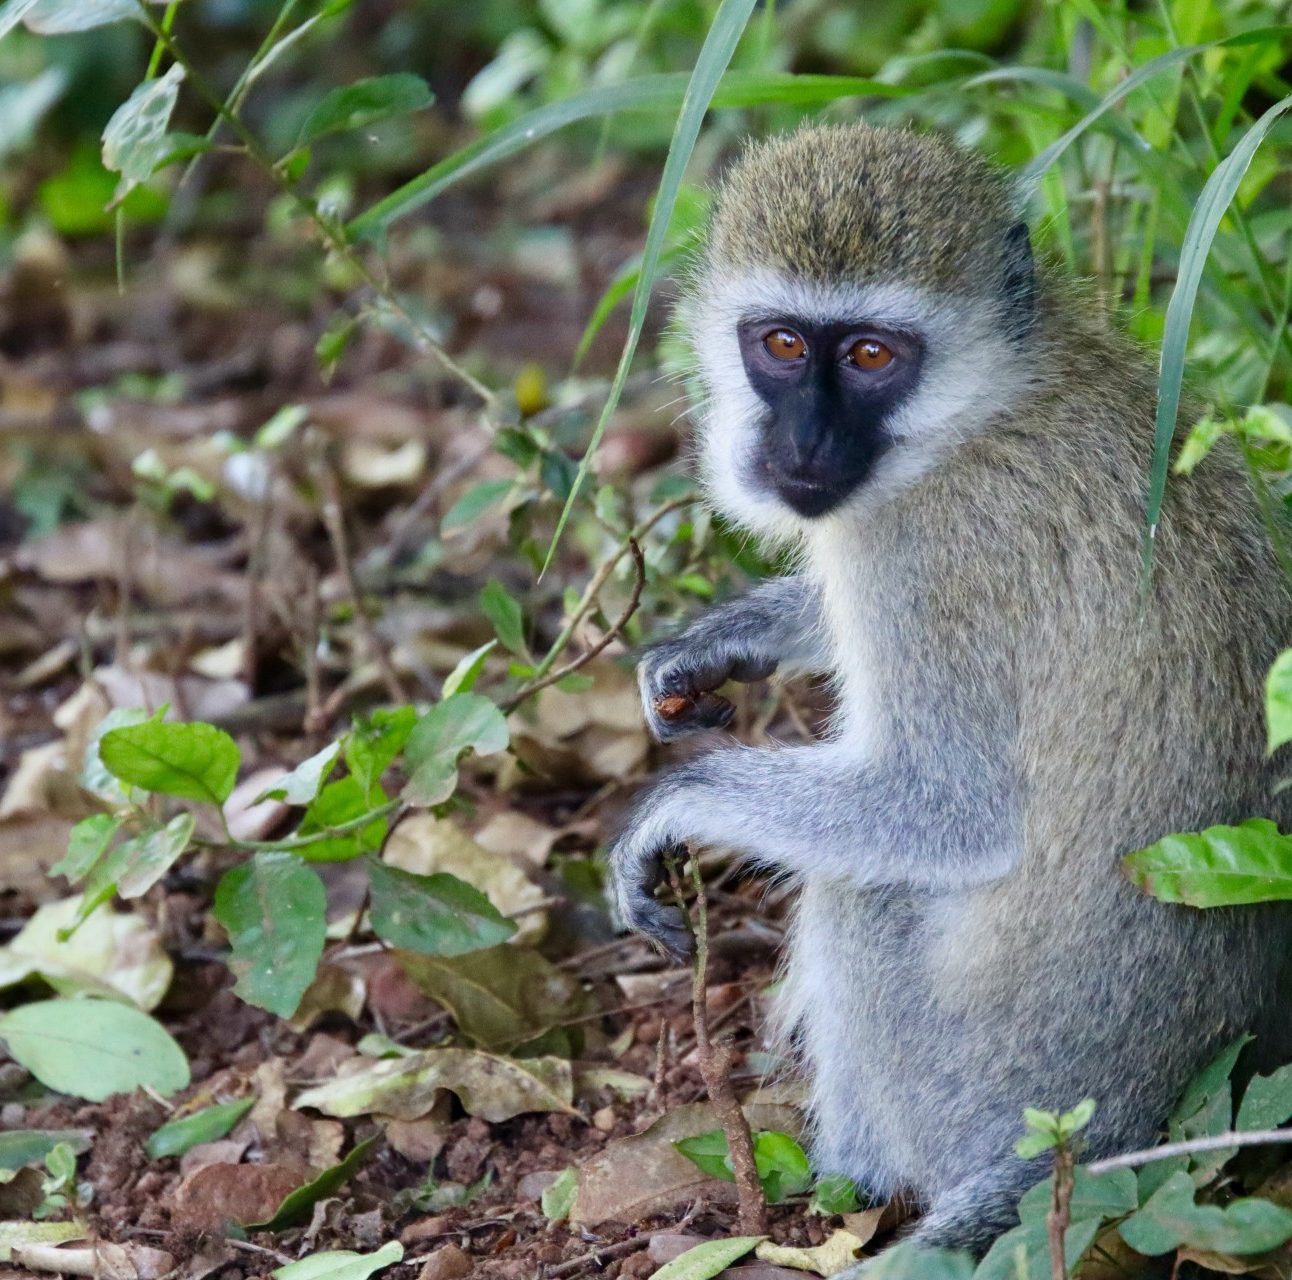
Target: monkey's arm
942 814
777 624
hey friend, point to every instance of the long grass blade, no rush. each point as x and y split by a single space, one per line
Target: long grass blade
1259 35
1215 199
715 55
645 93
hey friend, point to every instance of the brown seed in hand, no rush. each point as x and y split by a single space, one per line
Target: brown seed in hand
673 707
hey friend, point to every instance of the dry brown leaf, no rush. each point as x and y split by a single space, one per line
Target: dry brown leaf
242 1193
632 1178
515 835
837 1252
30 843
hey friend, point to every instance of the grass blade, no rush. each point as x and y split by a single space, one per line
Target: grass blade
1260 35
645 93
719 46
1207 213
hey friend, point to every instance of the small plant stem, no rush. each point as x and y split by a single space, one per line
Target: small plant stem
303 842
334 523
616 629
1191 1146
333 236
715 1067
1060 1214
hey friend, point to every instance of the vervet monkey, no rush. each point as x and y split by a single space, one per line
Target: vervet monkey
956 450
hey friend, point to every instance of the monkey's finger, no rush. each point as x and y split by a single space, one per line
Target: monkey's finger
747 670
667 927
676 715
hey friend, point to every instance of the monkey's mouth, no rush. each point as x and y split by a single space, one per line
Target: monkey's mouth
814 496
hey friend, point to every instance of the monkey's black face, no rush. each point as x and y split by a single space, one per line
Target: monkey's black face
829 389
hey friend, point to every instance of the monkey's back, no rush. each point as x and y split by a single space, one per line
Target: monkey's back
938 1017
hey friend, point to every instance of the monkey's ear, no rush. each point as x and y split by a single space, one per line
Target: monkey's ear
1020 278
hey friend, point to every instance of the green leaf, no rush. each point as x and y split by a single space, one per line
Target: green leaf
783 1167
1024 1252
273 908
340 802
558 1198
134 866
210 1124
302 784
1267 1101
21 1147
834 1193
436 915
94 774
357 105
341 1264
93 1048
1278 701
296 1206
708 1152
134 140
715 54
905 1261
372 744
460 723
85 845
645 93
463 677
474 503
1094 1195
1171 1218
1219 867
1210 1082
707 1259
504 612
192 761
1204 222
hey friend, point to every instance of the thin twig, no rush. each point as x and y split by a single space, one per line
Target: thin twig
1060 1214
334 523
598 1257
616 629
1169 1150
715 1067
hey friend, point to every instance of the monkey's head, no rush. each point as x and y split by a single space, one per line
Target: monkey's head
862 303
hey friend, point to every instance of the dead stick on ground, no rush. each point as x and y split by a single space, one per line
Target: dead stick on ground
715 1067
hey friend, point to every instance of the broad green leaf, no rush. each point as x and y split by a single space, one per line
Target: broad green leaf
645 93
340 802
906 1261
475 502
95 776
558 1199
1024 1252
135 138
21 1147
210 1124
86 844
93 1048
342 1264
715 54
437 915
273 908
707 1259
1267 1101
1219 867
357 105
503 610
193 761
783 1167
834 1193
135 865
708 1152
373 743
460 723
1278 701
1094 1195
1204 222
1210 1082
1171 1218
302 784
463 677
297 1204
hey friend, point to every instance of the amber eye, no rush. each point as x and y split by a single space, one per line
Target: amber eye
870 355
785 344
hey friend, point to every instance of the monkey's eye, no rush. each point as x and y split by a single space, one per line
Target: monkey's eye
785 344
870 355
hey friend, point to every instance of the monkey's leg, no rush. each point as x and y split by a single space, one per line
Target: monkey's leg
941 816
776 624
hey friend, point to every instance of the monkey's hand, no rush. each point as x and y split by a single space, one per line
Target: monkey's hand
636 869
678 679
